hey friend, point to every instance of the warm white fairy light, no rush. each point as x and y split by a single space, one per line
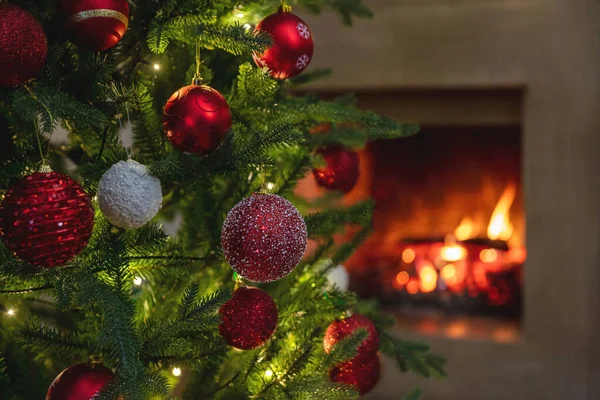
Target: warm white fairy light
137 281
176 371
11 312
247 27
270 185
156 67
268 373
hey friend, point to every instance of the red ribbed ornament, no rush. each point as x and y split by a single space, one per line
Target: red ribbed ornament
196 119
342 169
292 48
23 45
95 25
249 319
46 219
341 328
264 237
362 373
80 382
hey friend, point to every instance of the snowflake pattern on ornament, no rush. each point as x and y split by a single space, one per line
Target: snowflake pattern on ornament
302 61
303 30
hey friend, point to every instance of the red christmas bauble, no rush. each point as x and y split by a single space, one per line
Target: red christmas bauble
341 172
23 45
95 25
80 382
264 237
362 373
196 119
46 219
341 328
292 48
249 319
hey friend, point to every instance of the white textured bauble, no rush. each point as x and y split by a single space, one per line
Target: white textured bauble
128 195
339 278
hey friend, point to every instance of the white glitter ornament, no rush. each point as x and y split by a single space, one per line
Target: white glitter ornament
264 237
338 277
128 195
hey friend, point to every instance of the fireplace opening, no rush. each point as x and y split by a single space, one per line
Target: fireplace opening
449 224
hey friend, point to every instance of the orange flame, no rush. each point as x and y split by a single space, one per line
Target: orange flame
465 230
500 226
428 278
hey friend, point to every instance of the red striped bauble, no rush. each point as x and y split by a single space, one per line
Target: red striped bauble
46 219
95 25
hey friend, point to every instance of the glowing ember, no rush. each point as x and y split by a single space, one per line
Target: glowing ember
402 277
408 255
453 253
488 255
500 226
448 273
412 287
427 279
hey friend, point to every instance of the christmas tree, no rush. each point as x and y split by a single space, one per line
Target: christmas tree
169 118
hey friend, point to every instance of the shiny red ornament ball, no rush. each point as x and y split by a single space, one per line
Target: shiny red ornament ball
95 25
292 48
46 219
264 237
196 119
341 171
341 328
249 319
23 45
80 382
362 373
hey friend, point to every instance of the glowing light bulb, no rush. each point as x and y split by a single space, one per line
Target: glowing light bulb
268 373
11 312
270 185
156 66
247 27
137 281
176 371
240 15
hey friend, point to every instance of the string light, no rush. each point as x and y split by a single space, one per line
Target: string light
268 373
270 185
137 281
11 312
156 67
176 371
247 27
239 15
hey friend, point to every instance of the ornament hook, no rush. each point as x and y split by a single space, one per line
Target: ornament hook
285 7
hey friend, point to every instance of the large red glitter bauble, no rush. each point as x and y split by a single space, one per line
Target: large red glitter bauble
362 373
46 219
341 328
196 119
341 171
249 319
79 382
292 48
264 237
95 25
23 45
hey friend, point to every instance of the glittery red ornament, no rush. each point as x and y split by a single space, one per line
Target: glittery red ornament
80 382
95 25
341 172
362 373
23 45
196 119
249 319
46 219
292 47
341 328
264 237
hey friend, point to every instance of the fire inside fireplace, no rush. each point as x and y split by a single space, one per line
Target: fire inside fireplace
449 221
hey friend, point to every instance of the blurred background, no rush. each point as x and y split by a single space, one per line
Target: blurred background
486 229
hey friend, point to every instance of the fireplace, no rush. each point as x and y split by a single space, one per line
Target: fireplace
449 222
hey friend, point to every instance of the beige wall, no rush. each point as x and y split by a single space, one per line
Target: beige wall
551 47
